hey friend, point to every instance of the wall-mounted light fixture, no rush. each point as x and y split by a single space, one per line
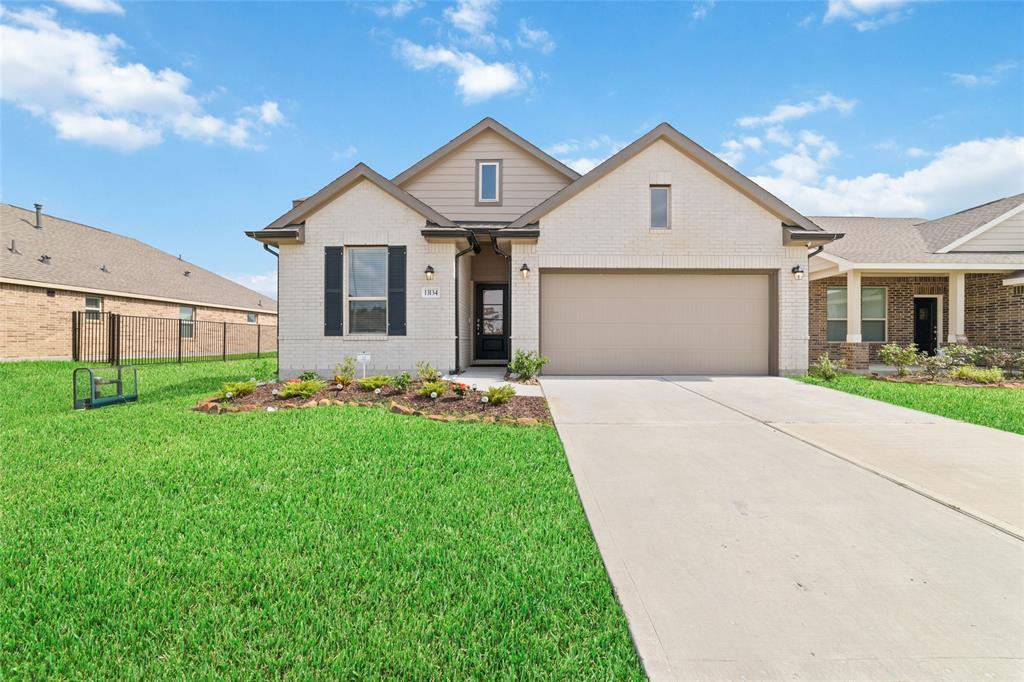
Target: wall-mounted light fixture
429 273
798 272
525 271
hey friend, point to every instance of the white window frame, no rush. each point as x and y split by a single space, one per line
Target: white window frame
187 322
93 314
885 307
480 201
348 299
251 318
668 206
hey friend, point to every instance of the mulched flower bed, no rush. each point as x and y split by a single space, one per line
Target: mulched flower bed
944 381
520 409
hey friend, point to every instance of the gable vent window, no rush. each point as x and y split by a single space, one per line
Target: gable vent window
660 197
488 182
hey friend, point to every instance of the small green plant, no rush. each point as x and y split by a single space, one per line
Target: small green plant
402 381
500 394
308 375
304 388
380 381
235 389
527 364
958 354
900 357
345 371
936 365
262 370
426 372
460 389
826 368
979 375
433 389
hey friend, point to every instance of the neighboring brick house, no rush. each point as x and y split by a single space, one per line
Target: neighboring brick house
50 268
661 260
957 279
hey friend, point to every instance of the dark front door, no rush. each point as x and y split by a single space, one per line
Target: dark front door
492 322
926 324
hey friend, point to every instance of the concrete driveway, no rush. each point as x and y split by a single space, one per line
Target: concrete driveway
744 544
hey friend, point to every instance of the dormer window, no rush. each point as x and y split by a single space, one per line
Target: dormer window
488 182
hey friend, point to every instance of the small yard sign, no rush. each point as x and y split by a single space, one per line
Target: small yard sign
431 292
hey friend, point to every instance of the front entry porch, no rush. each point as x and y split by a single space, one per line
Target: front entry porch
486 314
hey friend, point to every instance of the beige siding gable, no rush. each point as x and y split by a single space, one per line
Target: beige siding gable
449 186
1006 236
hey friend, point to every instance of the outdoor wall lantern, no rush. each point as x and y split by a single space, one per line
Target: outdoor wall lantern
798 272
525 271
429 272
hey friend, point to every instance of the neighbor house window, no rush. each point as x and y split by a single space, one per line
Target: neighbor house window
187 315
659 206
250 318
368 290
872 313
488 182
93 308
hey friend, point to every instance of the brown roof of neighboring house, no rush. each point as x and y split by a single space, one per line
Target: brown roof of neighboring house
92 259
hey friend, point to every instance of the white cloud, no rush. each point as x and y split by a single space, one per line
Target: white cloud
991 77
474 18
77 81
778 135
582 155
395 10
536 38
701 8
960 175
94 6
477 79
866 15
734 151
785 112
916 152
265 283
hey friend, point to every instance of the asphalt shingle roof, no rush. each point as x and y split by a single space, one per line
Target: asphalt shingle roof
78 253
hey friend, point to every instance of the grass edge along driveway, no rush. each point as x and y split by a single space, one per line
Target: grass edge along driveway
999 408
149 541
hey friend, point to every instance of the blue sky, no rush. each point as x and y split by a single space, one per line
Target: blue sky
183 124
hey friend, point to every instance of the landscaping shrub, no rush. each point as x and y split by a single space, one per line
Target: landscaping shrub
500 394
979 375
899 356
936 365
402 381
958 354
433 389
426 372
825 368
345 371
262 370
301 389
235 389
373 383
527 364
460 389
308 375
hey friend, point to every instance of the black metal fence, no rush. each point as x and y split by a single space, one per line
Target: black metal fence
132 339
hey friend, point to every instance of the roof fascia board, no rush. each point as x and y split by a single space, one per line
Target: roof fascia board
342 183
935 267
281 235
128 294
980 230
486 124
701 156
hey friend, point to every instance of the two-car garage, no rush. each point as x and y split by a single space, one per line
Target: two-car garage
651 323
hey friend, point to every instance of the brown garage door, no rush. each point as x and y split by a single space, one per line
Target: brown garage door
657 323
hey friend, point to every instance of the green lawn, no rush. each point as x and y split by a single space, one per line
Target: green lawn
148 541
1000 408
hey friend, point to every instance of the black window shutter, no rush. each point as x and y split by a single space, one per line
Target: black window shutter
396 291
334 305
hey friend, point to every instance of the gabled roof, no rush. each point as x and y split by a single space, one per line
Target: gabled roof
90 259
486 124
944 234
360 171
693 150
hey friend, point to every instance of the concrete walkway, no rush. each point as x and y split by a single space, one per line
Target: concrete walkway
484 377
743 544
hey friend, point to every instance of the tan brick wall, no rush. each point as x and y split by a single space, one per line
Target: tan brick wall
994 314
34 325
713 226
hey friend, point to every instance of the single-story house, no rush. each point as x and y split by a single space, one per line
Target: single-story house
51 267
957 279
661 260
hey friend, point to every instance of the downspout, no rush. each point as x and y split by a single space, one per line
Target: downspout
277 318
474 246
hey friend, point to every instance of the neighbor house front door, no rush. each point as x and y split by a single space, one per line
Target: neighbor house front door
926 324
491 322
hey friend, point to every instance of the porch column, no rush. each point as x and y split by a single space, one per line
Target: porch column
957 300
853 334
